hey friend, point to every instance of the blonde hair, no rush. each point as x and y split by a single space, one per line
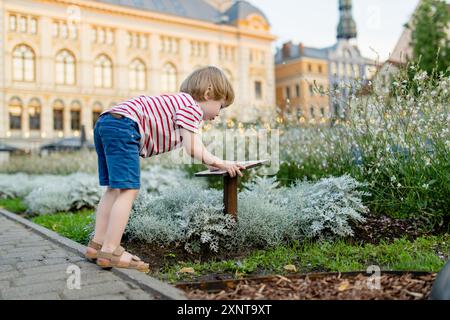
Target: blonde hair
212 79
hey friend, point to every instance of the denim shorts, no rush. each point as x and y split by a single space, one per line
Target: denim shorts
117 145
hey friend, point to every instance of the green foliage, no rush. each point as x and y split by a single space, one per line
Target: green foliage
430 38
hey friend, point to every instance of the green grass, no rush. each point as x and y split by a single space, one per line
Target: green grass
424 254
14 205
72 225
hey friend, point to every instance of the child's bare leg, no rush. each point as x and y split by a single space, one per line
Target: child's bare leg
118 220
103 213
102 216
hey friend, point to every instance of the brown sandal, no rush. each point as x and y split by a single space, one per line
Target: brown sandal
114 261
93 245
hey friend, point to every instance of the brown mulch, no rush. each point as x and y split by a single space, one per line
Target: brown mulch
379 228
331 287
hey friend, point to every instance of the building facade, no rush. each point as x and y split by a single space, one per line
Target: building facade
65 61
301 75
342 62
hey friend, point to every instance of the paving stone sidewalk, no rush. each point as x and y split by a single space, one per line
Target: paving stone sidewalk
33 267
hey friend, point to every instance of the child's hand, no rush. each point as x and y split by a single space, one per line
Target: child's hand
231 167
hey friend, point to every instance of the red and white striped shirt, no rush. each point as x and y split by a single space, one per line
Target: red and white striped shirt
160 119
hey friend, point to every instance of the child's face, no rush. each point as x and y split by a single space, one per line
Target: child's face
211 108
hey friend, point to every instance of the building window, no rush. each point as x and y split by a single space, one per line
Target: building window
101 36
73 31
34 113
65 68
15 114
311 89
12 23
64 31
75 120
55 29
357 71
58 115
23 24
227 53
334 68
75 116
309 67
170 45
199 49
23 63
322 111
342 70
349 71
33 25
103 72
311 111
109 37
143 41
297 90
258 90
137 75
288 93
169 78
320 69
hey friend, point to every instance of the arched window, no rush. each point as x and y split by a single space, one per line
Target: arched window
15 114
137 75
169 78
96 111
75 116
103 72
58 115
65 68
34 114
23 63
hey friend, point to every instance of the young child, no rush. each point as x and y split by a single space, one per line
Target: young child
147 126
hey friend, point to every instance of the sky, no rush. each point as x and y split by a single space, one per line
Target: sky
314 22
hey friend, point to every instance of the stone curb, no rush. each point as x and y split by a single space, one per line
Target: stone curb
145 282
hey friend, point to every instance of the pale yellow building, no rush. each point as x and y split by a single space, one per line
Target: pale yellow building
301 75
64 61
